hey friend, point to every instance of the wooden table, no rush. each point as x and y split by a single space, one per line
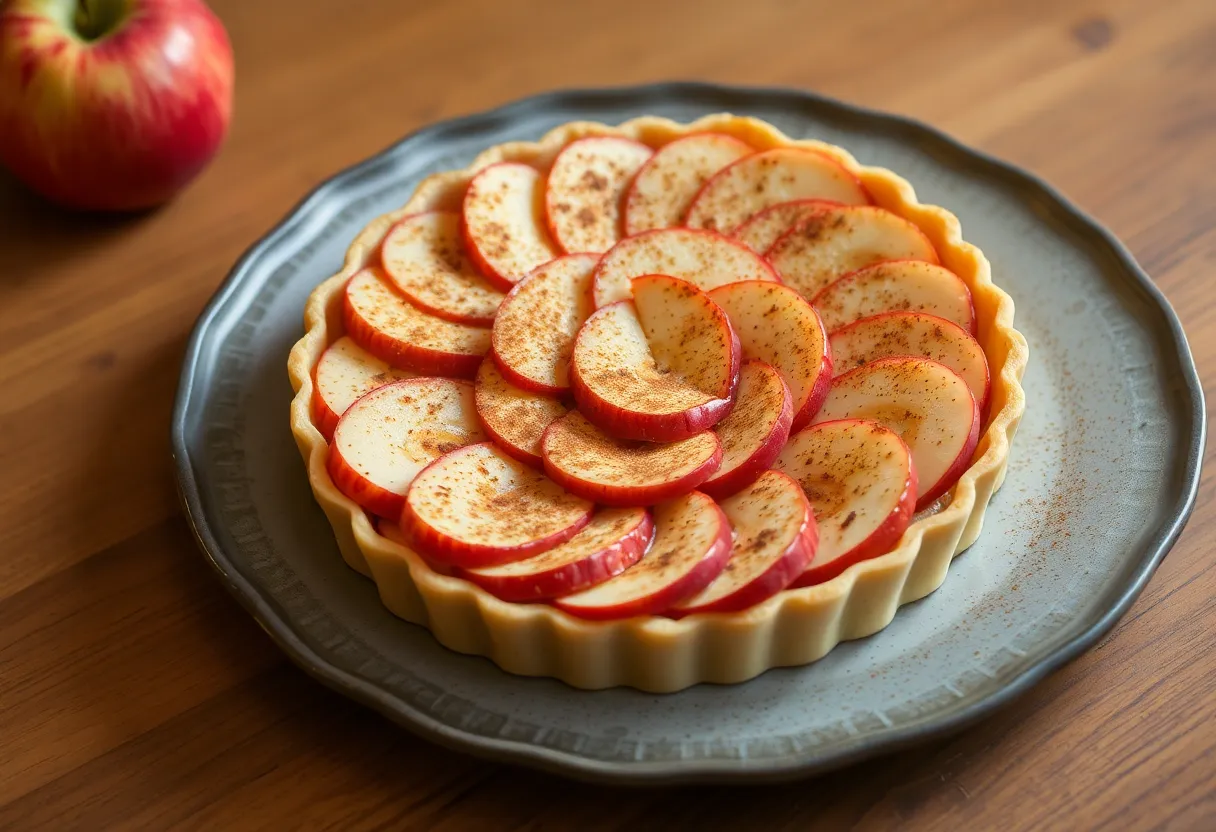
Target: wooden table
135 693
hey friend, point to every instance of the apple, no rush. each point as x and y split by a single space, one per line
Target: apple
764 228
754 432
767 178
536 325
778 326
896 286
692 542
343 374
504 225
111 105
389 435
860 480
913 333
835 241
514 418
394 330
614 540
665 186
659 368
703 258
477 507
775 537
926 403
585 189
624 472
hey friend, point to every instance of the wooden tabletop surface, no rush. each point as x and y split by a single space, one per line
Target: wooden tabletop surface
134 693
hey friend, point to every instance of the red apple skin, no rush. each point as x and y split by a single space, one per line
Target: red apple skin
67 134
959 465
322 414
721 487
379 501
573 577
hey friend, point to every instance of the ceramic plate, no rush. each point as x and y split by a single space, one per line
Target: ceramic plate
1102 476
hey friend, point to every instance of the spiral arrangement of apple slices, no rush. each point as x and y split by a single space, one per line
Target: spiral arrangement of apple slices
652 382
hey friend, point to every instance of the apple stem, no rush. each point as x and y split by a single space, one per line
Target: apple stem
98 18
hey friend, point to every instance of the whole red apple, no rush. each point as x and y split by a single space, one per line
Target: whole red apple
111 104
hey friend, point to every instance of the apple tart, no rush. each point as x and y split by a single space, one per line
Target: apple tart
657 404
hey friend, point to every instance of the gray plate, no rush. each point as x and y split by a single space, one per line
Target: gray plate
1103 476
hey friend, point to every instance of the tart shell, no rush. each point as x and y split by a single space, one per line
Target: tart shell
652 653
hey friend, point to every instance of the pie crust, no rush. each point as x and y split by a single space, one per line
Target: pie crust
654 653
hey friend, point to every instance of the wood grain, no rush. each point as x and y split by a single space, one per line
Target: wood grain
135 694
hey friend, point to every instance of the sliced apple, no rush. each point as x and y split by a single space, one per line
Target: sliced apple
703 258
514 418
665 186
586 188
774 540
926 403
394 330
778 326
504 224
345 372
477 507
614 540
835 241
536 325
764 228
916 334
860 480
767 178
754 432
624 472
659 368
692 543
388 436
423 255
896 286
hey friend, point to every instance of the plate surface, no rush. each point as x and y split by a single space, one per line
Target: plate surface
1102 476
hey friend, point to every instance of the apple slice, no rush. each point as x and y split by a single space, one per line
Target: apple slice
896 286
665 186
835 241
389 435
623 472
916 334
537 323
764 228
774 540
778 326
927 404
860 480
692 543
703 258
755 182
754 432
345 372
478 507
614 540
423 256
514 418
504 227
659 368
585 189
394 330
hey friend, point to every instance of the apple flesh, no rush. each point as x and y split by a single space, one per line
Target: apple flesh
703 258
692 543
344 373
477 507
389 435
896 286
614 540
860 480
513 418
754 432
766 227
585 189
504 227
622 472
775 538
112 105
926 403
665 186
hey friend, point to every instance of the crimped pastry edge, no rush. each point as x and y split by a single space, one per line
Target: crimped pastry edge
652 653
